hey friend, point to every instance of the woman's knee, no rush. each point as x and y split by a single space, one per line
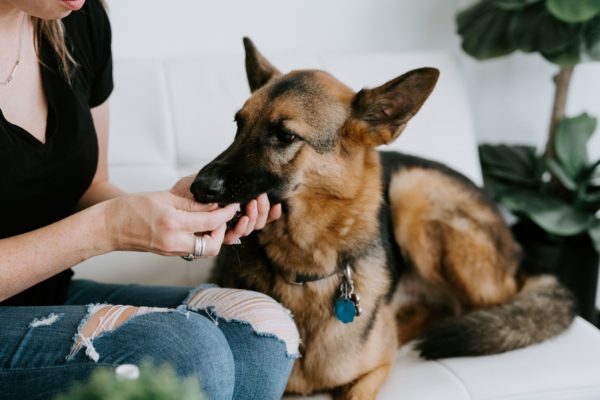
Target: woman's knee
261 334
266 316
189 342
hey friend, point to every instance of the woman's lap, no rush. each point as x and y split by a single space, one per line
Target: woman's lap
33 355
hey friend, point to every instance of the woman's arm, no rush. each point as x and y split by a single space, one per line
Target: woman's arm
101 188
32 257
158 222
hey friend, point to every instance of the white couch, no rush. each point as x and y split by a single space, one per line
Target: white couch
171 116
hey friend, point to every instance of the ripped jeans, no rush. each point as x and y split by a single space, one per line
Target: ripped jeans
239 344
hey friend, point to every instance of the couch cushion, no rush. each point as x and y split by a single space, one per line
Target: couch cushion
564 368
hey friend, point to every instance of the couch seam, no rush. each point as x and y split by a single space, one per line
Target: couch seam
164 66
462 383
528 395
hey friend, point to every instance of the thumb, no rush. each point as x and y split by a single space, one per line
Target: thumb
189 205
214 241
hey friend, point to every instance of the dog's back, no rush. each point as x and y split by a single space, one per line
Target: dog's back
461 267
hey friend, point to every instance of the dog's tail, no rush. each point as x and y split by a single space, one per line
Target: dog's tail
542 309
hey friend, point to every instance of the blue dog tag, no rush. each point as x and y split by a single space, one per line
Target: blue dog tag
345 310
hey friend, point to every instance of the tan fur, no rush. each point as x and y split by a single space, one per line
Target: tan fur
461 254
443 231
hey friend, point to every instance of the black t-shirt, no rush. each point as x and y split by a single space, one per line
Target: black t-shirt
41 183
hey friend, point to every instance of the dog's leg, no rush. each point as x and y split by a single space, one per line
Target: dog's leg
366 387
413 319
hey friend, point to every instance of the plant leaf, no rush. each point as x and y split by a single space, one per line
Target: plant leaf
535 29
550 214
591 36
572 136
595 235
505 167
566 58
560 174
591 198
484 30
573 11
514 4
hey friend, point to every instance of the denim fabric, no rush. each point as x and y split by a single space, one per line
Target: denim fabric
228 357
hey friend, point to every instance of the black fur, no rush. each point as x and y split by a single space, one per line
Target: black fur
540 311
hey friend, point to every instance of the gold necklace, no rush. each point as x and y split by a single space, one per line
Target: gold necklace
14 68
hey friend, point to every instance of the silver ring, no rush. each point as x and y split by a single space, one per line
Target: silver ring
199 246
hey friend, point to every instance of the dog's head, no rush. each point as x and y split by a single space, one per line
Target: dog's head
305 130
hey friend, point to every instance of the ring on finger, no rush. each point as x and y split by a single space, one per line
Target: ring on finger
199 249
199 246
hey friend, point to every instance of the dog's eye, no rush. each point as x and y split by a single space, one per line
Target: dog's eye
285 137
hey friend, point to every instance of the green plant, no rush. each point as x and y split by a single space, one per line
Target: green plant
559 189
153 383
519 178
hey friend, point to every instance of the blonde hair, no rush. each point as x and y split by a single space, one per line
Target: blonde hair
54 32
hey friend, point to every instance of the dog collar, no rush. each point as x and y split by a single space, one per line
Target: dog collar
346 306
301 279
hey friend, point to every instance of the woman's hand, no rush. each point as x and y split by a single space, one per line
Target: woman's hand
164 223
258 212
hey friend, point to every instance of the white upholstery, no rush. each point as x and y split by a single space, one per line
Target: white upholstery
171 116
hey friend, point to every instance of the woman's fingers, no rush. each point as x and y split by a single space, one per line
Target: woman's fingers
232 236
190 205
208 220
252 214
214 240
182 187
274 213
263 207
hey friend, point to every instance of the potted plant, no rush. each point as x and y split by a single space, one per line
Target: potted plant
555 193
128 382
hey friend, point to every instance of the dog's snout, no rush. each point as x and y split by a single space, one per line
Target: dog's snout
208 188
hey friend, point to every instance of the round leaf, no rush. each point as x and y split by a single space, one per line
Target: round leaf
534 29
573 11
505 166
484 30
550 214
572 136
562 175
595 235
514 4
566 58
591 35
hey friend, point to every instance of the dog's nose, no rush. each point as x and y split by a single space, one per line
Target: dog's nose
208 188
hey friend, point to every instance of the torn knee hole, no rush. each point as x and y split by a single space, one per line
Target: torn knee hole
101 319
265 315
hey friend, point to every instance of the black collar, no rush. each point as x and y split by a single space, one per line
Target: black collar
296 279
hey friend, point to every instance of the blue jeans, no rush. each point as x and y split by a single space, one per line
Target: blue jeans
44 349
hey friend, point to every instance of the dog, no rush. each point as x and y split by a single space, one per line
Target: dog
374 249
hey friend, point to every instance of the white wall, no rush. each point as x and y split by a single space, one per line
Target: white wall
510 97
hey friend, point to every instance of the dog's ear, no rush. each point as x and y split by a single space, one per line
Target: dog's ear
258 69
379 115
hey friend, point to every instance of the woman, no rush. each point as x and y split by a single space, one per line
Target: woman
57 208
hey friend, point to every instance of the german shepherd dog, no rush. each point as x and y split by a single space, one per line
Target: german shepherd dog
429 254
